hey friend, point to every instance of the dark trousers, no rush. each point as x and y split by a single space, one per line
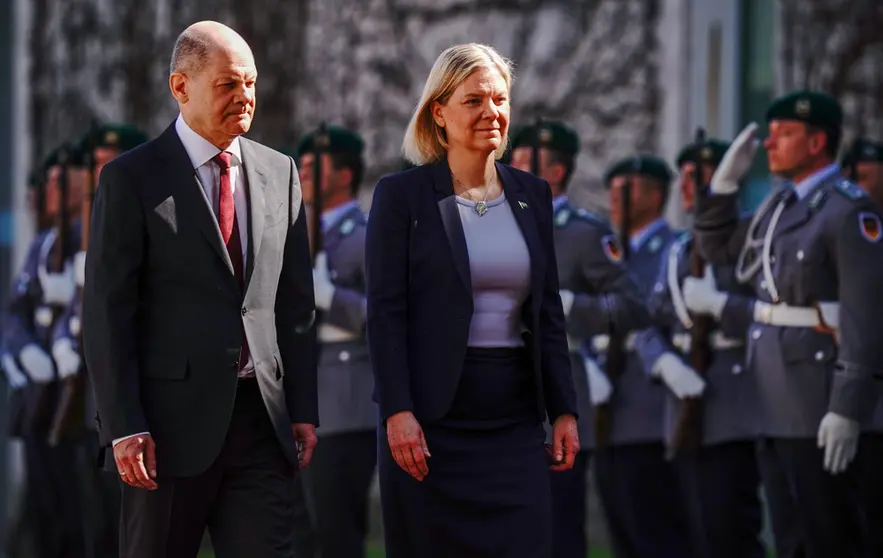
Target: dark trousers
55 495
720 487
342 471
870 462
304 514
244 498
569 509
814 514
641 502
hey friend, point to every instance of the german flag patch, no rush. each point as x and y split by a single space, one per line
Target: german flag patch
869 225
611 248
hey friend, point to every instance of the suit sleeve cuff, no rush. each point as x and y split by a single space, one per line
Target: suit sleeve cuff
118 440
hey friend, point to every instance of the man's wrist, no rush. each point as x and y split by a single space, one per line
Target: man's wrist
118 440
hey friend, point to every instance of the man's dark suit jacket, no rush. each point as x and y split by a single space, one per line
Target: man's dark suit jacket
164 316
420 294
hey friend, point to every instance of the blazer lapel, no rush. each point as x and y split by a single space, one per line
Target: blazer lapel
525 217
450 216
256 184
190 193
800 211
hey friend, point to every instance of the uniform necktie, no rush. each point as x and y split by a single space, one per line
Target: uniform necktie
230 229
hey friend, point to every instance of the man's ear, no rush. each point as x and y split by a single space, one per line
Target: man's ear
179 87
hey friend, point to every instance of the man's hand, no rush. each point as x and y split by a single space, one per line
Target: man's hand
682 380
136 461
323 288
306 440
565 443
37 364
407 444
566 301
701 296
66 358
839 437
736 162
600 388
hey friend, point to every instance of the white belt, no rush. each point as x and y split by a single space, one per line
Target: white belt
718 341
333 334
827 314
600 343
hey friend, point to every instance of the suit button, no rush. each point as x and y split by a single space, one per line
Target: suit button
755 334
737 369
244 310
820 355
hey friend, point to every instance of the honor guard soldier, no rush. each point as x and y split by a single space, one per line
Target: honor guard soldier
345 459
863 163
638 488
599 297
44 287
99 146
811 253
718 474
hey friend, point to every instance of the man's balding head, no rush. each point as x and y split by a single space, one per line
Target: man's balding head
196 43
213 79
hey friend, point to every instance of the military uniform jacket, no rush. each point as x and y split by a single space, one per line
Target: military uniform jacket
729 402
346 382
38 295
638 401
825 247
606 297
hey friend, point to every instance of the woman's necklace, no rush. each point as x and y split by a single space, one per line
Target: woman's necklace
480 205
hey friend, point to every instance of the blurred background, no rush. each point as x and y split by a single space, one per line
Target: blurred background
628 75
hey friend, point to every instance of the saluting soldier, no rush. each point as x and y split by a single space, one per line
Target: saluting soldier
599 297
103 143
40 293
813 254
344 460
637 486
720 482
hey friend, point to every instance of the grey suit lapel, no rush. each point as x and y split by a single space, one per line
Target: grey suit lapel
256 184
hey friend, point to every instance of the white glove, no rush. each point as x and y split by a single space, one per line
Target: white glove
66 358
839 436
80 268
323 288
736 162
37 364
600 388
702 297
682 380
14 376
566 301
58 288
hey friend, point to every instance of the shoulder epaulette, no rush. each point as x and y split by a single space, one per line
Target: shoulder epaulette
849 189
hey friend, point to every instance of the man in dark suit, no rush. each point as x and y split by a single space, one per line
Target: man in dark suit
197 321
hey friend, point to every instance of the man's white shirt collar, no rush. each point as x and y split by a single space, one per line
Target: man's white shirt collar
199 149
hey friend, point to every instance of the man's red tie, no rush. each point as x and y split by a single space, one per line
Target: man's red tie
230 230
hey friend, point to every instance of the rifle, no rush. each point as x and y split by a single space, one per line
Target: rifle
46 396
69 419
535 147
616 349
688 424
321 142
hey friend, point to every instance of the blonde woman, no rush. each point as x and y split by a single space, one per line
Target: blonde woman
466 330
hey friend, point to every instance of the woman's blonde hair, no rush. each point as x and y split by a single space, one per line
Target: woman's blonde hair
425 141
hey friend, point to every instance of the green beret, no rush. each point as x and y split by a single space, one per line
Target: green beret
644 165
340 140
116 136
69 154
863 150
550 134
811 107
710 151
